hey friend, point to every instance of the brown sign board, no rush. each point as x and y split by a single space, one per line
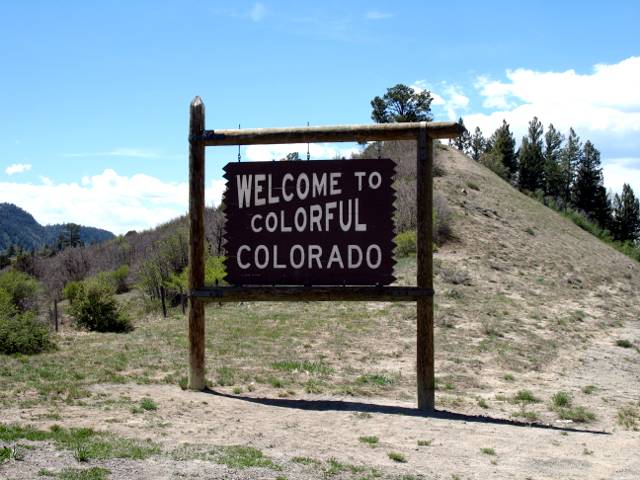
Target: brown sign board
320 222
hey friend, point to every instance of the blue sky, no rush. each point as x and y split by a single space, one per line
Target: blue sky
94 95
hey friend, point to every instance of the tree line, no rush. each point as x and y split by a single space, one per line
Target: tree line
560 170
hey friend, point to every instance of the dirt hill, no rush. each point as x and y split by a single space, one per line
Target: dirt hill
537 358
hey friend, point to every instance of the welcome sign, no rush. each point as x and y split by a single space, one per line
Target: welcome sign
321 222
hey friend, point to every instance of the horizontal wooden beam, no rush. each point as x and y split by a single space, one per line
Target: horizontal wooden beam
298 294
331 133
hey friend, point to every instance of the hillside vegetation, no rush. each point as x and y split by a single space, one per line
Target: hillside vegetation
536 321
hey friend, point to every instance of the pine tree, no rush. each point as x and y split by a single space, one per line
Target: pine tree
531 160
553 178
503 146
463 141
478 144
588 188
570 158
626 216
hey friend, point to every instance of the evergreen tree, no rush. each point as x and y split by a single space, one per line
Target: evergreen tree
626 216
531 160
570 158
588 188
463 141
503 146
70 236
478 144
553 178
402 104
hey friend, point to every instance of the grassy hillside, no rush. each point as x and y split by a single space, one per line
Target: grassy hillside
536 320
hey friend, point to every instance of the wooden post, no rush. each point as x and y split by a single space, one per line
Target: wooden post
196 244
182 300
425 353
163 300
55 313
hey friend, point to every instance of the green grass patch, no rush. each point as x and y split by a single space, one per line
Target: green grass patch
589 389
240 456
561 399
148 404
508 377
376 379
624 343
525 397
369 440
86 443
5 454
577 414
317 367
488 451
397 457
424 443
629 417
226 376
93 473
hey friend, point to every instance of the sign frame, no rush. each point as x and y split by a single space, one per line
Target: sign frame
422 132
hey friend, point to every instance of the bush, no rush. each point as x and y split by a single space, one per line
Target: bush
405 243
72 290
119 278
21 288
20 332
95 309
442 219
494 162
214 273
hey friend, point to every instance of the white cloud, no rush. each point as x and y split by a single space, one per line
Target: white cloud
107 200
451 97
258 11
17 168
602 104
377 15
618 171
264 153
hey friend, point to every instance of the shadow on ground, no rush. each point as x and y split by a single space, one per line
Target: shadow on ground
362 407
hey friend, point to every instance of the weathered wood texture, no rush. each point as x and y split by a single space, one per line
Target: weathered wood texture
331 133
299 294
196 244
424 337
55 314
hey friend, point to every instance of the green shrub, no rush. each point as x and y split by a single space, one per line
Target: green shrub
72 290
20 332
405 243
119 278
96 309
494 162
21 288
214 273
562 399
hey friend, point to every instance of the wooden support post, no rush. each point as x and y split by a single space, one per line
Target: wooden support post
425 350
182 300
55 313
196 244
163 300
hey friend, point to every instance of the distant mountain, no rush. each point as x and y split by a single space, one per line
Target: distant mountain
18 227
